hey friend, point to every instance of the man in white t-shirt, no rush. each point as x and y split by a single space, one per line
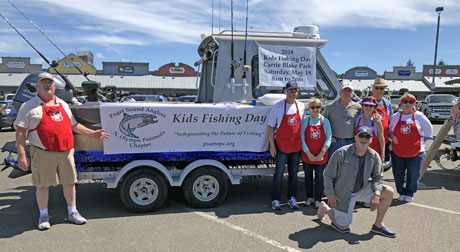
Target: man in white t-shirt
284 123
48 124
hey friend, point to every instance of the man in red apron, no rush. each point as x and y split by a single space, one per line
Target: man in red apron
48 124
384 109
284 132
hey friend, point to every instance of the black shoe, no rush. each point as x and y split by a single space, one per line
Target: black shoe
383 231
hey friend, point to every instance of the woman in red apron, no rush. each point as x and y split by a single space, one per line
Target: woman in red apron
372 119
316 138
408 130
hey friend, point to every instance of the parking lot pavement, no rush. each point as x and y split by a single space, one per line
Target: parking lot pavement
244 222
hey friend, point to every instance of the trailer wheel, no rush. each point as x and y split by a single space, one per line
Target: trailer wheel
387 165
143 191
205 187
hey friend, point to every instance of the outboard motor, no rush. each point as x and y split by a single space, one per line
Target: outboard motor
27 90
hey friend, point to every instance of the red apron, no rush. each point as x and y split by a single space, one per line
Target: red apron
55 130
288 134
315 136
408 139
375 144
383 112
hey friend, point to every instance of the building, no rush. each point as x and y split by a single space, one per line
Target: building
67 65
177 70
401 77
443 74
18 65
88 57
146 84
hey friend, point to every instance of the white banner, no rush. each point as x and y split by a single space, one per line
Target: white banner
280 64
157 127
16 64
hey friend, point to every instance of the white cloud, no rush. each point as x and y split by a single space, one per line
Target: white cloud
109 40
99 55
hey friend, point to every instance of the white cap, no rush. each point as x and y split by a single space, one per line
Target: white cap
347 85
45 75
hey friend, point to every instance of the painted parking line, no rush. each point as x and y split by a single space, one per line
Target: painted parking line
444 173
238 228
435 208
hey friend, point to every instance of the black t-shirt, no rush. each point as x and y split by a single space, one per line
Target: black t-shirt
359 176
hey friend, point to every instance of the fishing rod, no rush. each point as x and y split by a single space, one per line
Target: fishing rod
38 28
245 49
68 84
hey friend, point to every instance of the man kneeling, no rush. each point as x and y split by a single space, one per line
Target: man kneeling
346 180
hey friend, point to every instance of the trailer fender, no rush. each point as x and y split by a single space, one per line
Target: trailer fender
235 180
141 163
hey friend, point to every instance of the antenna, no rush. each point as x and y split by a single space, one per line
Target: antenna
212 17
219 16
38 28
245 68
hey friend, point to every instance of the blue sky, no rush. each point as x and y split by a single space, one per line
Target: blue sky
375 33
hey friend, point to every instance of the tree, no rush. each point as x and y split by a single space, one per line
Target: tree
442 63
410 63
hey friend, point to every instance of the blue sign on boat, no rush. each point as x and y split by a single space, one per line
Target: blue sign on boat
404 72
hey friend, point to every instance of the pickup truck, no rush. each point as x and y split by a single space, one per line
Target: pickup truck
436 107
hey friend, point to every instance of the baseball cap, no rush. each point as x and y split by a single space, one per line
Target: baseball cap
364 129
45 75
291 85
347 85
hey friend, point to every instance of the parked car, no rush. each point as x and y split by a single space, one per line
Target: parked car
7 115
144 98
437 106
7 97
187 98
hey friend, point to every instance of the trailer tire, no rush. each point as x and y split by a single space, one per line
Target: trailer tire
143 191
205 187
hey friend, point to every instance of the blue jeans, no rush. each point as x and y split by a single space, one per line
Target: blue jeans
337 145
319 182
406 184
292 161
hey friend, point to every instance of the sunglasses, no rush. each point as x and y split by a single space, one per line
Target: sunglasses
315 107
379 88
367 105
364 135
292 90
408 101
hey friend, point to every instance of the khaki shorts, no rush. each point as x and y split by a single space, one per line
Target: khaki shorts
47 164
364 195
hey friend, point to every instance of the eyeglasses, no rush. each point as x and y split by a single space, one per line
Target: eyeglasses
364 135
408 101
367 105
315 107
379 88
292 90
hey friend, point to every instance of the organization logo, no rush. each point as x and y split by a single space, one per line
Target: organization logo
56 116
292 120
130 123
381 114
315 134
405 129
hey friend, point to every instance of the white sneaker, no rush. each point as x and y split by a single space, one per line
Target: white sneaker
44 222
76 218
293 203
317 204
309 201
402 197
276 205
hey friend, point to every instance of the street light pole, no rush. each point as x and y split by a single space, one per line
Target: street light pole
433 84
